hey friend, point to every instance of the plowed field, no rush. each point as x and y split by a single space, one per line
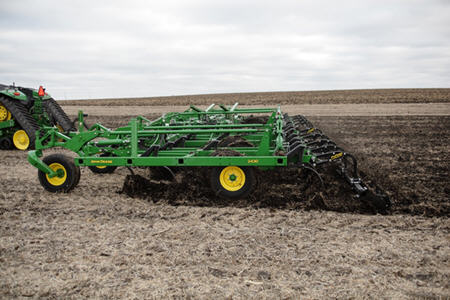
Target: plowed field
284 241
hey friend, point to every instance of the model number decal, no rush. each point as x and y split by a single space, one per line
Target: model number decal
253 161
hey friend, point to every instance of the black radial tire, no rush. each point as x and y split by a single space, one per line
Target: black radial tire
243 192
20 114
77 176
57 113
72 173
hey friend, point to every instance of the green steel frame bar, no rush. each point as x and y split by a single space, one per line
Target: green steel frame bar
214 137
180 139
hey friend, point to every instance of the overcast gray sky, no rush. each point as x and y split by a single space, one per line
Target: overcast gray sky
100 49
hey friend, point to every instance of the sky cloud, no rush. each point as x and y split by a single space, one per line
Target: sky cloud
98 49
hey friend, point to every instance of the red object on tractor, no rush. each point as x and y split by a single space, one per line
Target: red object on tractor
41 91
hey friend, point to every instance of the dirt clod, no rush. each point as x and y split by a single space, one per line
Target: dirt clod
281 188
235 141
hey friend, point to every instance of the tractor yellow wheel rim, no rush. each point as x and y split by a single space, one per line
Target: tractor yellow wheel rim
232 178
5 115
21 140
100 167
59 179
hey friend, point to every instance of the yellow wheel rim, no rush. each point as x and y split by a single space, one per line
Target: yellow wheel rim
57 180
100 167
60 129
21 140
232 178
5 115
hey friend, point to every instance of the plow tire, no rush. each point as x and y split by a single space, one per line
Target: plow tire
77 176
22 116
102 169
223 185
63 184
57 113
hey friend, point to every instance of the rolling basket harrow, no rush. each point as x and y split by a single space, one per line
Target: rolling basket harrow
229 141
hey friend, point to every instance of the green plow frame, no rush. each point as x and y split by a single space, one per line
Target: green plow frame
231 140
182 139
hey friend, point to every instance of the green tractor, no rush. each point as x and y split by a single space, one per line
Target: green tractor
23 111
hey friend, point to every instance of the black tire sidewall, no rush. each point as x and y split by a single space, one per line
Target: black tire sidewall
241 193
106 170
71 172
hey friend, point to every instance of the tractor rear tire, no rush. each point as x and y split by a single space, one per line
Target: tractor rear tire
232 182
67 180
59 116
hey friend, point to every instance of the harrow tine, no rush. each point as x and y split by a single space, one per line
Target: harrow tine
314 171
320 142
306 136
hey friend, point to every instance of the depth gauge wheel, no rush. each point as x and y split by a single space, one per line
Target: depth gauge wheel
232 181
68 174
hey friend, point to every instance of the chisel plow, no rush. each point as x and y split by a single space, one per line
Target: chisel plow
229 142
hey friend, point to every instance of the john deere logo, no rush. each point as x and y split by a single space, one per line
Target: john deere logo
101 161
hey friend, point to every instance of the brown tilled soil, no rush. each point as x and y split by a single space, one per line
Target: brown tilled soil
287 240
269 98
408 156
393 154
360 110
